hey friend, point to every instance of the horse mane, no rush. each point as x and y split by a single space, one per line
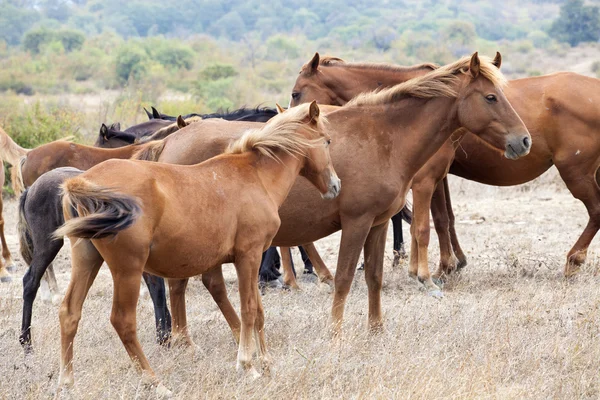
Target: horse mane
438 83
166 131
242 113
279 134
329 61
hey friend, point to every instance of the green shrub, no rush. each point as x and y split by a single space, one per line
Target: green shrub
34 40
37 124
131 62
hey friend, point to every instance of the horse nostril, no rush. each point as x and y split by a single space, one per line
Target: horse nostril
526 142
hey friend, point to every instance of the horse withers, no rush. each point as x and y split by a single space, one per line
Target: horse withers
182 221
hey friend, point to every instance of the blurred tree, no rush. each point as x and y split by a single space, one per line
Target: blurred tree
14 22
577 23
35 39
131 62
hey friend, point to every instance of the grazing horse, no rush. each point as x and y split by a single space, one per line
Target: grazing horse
11 153
182 221
562 124
380 141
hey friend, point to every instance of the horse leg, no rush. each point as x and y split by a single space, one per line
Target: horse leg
308 266
52 283
289 275
354 234
268 271
460 255
156 288
180 332
585 187
422 193
399 251
8 262
246 266
214 282
321 269
86 262
439 213
42 259
374 249
259 336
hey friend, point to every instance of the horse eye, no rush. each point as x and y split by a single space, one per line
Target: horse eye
295 95
491 98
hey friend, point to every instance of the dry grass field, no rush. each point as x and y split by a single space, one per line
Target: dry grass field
509 326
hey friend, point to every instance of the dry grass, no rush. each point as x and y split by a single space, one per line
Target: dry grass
509 326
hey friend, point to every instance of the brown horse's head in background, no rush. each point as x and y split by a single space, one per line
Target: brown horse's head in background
333 81
301 132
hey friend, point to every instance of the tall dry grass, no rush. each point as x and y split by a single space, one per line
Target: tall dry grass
509 326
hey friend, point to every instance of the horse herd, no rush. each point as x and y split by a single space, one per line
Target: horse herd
177 199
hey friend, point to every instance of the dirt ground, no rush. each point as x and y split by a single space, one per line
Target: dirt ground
509 326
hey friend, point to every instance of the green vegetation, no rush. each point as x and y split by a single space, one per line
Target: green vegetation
577 23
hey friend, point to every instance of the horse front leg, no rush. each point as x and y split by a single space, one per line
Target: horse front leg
214 282
247 265
374 251
354 234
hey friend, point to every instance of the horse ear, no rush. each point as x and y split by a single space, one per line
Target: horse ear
313 110
497 60
103 130
314 64
148 114
155 113
474 66
181 122
280 110
117 126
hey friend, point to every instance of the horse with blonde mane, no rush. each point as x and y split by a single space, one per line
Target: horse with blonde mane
562 123
380 141
182 221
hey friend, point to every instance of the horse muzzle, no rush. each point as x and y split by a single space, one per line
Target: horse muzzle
517 146
334 187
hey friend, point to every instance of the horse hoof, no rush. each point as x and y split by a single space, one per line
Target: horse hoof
436 294
11 267
250 373
162 392
461 264
361 267
438 281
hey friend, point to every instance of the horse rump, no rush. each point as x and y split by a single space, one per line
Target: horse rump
95 212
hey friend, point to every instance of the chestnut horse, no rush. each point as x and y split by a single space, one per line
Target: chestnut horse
11 153
182 221
380 141
62 153
562 124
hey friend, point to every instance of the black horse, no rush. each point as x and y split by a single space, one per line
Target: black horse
258 114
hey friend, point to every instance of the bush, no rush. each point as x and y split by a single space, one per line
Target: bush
38 124
131 62
170 54
577 23
35 39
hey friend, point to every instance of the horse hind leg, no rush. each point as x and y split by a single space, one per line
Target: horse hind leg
585 188
458 251
374 249
86 262
319 265
399 250
180 333
289 275
156 289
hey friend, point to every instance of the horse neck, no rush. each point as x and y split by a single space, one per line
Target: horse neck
278 176
346 82
117 152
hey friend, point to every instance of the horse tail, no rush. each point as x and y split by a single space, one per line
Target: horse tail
406 213
16 176
10 151
25 240
150 151
94 212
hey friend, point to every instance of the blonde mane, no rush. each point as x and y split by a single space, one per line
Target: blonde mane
329 61
441 82
166 131
279 134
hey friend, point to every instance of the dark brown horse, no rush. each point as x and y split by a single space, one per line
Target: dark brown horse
380 141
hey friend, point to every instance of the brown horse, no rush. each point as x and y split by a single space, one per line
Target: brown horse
380 141
11 153
562 124
62 153
182 221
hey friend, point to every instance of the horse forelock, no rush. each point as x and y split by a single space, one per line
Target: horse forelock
281 133
441 82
